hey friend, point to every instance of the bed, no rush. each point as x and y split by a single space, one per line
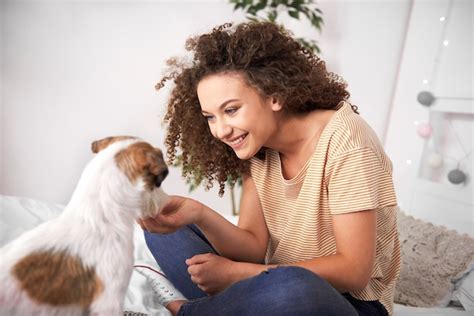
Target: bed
19 214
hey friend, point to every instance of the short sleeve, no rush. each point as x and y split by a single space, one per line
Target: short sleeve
358 180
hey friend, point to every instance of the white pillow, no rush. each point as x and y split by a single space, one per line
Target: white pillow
464 293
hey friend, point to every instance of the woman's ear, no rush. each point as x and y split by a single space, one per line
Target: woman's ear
275 103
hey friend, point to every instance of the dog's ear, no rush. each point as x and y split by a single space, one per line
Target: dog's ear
142 160
156 168
100 144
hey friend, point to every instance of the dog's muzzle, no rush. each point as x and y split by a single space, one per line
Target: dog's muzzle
161 177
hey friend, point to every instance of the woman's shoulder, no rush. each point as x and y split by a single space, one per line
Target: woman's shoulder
352 135
351 132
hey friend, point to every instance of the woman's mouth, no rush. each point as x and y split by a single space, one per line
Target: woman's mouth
237 142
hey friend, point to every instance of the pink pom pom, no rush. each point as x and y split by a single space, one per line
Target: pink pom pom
425 130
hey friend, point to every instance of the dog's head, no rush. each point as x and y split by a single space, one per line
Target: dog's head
131 171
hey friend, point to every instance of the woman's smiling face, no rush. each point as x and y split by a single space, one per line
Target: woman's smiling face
236 113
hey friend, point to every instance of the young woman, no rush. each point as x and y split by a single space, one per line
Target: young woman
317 231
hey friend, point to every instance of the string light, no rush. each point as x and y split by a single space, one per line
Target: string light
427 99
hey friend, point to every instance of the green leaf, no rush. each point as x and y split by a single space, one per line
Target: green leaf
316 21
294 14
238 6
251 11
251 18
297 4
254 9
272 16
306 12
309 44
260 5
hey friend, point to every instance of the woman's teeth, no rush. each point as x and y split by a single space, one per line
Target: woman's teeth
238 140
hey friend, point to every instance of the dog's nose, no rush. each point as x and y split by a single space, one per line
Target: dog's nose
161 177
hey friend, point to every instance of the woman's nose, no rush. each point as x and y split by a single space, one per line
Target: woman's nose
223 130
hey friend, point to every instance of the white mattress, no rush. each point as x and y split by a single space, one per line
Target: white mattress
402 310
18 215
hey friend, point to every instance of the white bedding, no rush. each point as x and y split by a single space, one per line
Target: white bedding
18 215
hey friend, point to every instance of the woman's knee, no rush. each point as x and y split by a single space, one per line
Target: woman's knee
302 290
298 281
177 246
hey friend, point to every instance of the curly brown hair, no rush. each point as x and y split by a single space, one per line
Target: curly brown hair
271 61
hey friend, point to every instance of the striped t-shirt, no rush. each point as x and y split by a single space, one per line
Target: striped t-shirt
348 172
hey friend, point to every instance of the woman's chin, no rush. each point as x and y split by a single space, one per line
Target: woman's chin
244 157
243 154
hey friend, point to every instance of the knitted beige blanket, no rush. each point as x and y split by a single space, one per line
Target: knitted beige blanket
433 259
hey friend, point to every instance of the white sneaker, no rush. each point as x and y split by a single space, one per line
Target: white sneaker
163 288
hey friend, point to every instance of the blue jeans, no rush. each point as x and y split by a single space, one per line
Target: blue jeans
279 291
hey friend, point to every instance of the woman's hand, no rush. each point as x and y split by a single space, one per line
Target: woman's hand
175 213
212 273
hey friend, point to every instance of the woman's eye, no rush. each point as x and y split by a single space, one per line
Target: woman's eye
208 117
230 110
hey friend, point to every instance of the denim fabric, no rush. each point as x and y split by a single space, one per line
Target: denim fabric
279 291
172 250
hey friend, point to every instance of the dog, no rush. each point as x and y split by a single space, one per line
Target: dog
80 263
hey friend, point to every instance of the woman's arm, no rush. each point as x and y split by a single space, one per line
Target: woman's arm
350 268
247 242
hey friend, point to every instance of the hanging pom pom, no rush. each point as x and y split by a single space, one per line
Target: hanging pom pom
456 176
425 130
426 98
435 160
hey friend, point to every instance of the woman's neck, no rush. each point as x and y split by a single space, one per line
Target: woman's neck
297 138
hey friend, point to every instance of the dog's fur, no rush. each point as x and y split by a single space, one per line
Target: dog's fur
81 262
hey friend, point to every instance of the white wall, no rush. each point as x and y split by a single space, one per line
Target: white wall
73 72
2 10
447 72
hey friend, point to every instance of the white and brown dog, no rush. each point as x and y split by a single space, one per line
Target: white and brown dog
81 262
